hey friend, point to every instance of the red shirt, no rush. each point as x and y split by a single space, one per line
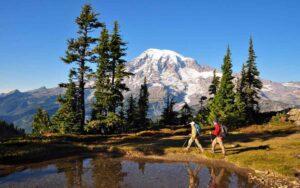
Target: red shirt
217 130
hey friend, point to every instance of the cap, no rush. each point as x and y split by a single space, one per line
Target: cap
192 123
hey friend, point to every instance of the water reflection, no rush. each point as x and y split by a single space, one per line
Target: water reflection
107 172
216 177
193 175
111 172
72 170
142 166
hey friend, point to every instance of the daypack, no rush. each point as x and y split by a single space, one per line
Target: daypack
224 131
198 128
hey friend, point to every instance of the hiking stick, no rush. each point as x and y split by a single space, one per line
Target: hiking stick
184 143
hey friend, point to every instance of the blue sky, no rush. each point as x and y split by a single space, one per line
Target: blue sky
33 34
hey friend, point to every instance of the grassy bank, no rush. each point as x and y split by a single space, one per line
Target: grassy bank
264 148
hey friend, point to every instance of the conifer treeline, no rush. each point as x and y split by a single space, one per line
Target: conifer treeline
232 104
8 130
236 105
107 115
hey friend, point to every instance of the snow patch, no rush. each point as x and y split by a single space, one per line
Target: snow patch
157 54
207 74
291 84
267 87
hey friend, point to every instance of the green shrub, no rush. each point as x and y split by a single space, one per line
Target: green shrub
279 119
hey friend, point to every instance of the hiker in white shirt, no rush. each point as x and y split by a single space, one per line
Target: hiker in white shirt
194 136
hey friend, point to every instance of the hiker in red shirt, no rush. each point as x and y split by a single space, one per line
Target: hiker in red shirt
217 138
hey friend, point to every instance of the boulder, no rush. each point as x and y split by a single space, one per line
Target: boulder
294 116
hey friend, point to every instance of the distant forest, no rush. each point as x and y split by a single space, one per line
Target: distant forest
9 130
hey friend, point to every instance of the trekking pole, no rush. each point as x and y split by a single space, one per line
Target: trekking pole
184 143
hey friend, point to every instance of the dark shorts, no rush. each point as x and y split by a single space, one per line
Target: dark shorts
212 136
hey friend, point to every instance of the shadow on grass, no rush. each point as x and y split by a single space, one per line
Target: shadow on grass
249 137
232 151
158 144
151 142
28 152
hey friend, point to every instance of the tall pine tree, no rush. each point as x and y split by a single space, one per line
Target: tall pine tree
143 105
79 52
131 113
252 83
117 68
240 110
241 83
240 99
214 84
222 106
66 118
185 114
102 83
169 116
203 110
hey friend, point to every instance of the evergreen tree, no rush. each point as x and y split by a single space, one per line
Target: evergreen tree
185 114
241 83
117 68
66 119
202 99
107 112
41 122
240 99
131 112
169 115
240 110
222 106
8 130
214 84
252 83
203 111
143 105
79 52
102 84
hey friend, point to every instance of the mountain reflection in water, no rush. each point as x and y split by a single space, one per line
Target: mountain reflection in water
118 172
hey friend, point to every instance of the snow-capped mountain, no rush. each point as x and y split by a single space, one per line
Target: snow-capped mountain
187 80
166 71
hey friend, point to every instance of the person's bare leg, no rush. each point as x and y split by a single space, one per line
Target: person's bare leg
213 145
199 145
220 142
189 143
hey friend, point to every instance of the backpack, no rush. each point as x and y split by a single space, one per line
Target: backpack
198 128
224 131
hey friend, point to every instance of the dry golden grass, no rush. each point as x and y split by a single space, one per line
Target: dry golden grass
260 147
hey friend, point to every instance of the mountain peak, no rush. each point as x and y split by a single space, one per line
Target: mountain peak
13 92
160 59
161 52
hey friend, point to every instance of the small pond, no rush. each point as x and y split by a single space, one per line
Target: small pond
118 172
